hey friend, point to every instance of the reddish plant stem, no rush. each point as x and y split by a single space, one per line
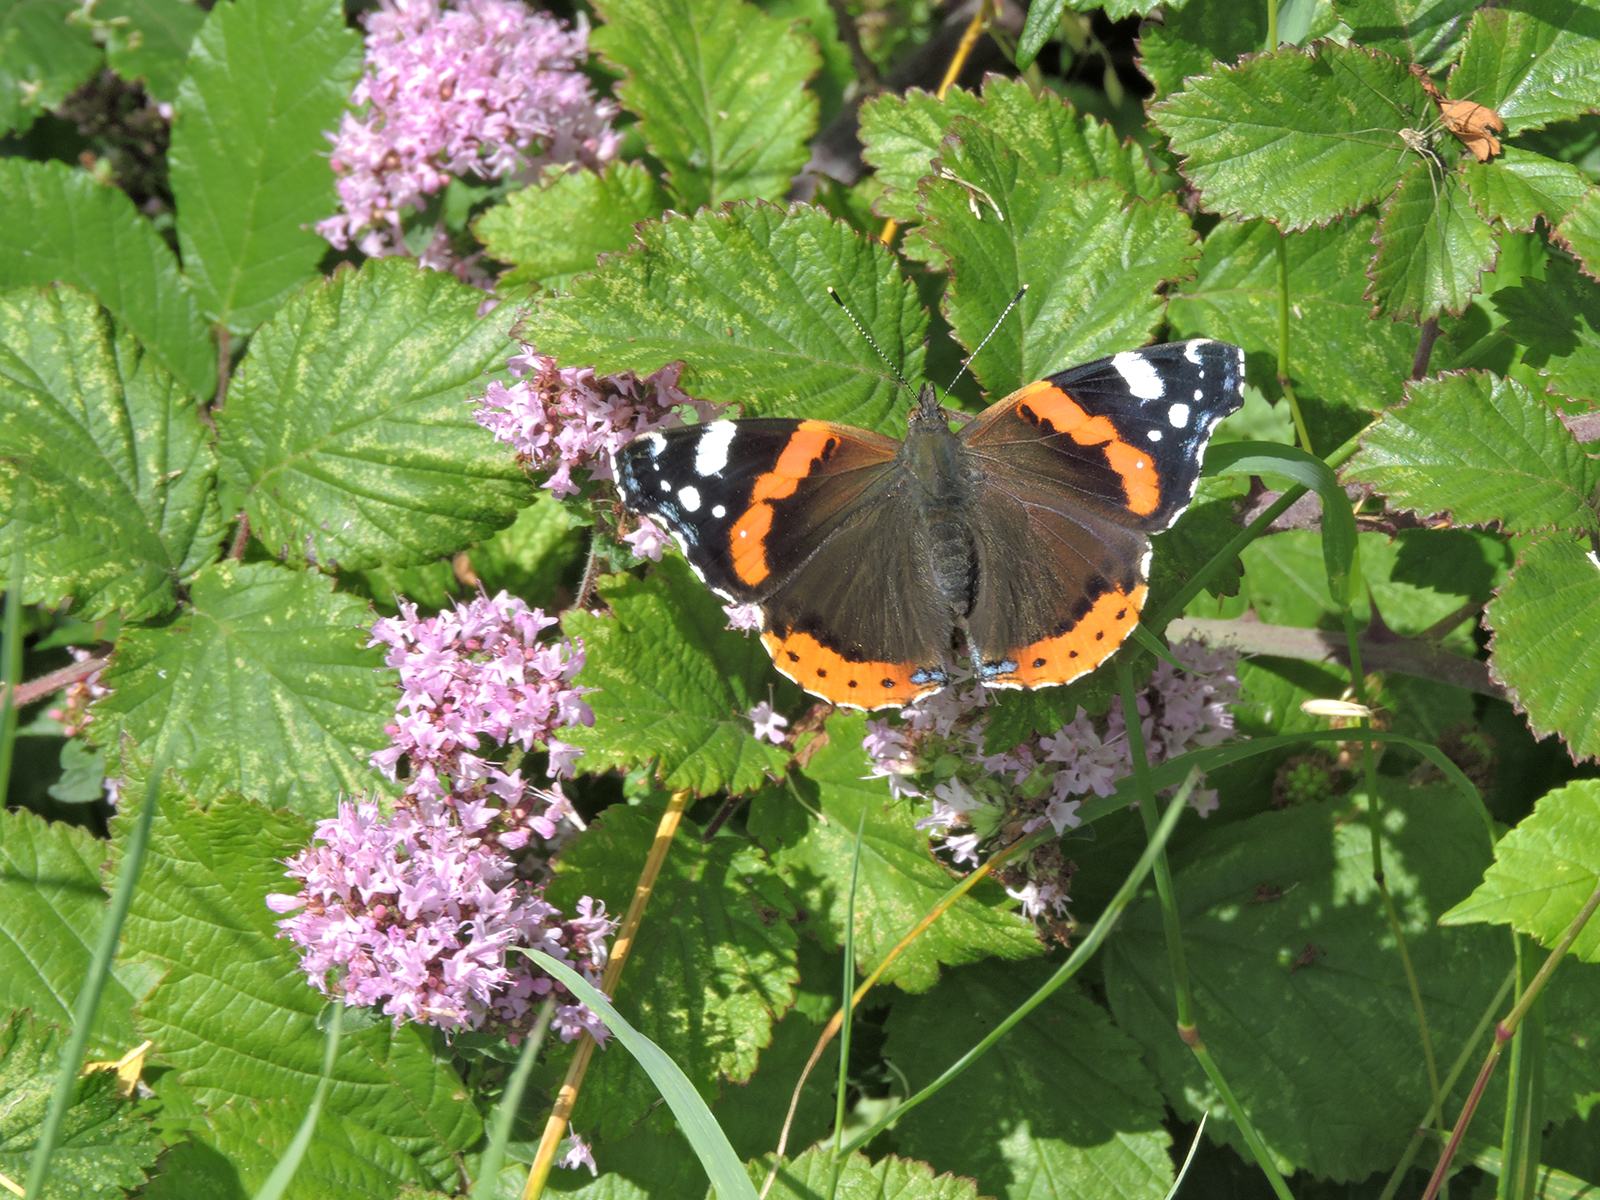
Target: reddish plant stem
37 689
1430 334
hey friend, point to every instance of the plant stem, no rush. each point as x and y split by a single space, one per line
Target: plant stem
1521 1141
11 662
1430 334
1217 561
1283 315
1272 25
1188 1029
556 1127
846 1009
506 1114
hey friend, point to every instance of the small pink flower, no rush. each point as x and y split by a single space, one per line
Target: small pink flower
647 541
744 617
578 1155
769 725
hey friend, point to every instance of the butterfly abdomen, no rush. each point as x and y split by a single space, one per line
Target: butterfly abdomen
939 468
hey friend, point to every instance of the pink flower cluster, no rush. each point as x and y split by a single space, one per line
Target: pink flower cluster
75 715
421 912
487 88
1044 779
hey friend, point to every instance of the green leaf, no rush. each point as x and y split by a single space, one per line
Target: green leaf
899 880
1093 261
1558 319
712 969
1426 32
1016 716
105 472
83 775
1546 645
902 135
1485 450
264 683
153 45
50 877
44 55
348 433
741 297
1519 187
1194 37
249 162
530 557
1286 978
719 88
234 1015
1532 67
557 228
1337 353
811 1175
1544 872
1432 247
64 227
674 686
1064 1097
1298 137
1579 231
103 1147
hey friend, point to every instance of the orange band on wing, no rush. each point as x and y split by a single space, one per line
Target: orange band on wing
807 444
828 674
1049 403
1082 648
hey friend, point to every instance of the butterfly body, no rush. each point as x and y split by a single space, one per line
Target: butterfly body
1017 546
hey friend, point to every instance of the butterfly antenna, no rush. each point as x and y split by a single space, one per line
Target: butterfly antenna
967 361
862 330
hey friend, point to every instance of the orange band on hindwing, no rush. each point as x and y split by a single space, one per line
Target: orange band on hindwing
811 442
1046 402
828 674
1082 648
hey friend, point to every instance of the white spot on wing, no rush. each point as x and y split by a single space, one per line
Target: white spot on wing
1199 395
658 443
1191 350
1154 435
690 497
1595 560
711 452
1178 415
719 512
665 486
1138 373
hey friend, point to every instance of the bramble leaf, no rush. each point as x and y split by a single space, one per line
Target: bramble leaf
715 962
1483 449
1544 871
1558 319
103 1146
1092 259
249 162
900 881
1580 231
1532 66
1520 186
1298 137
741 296
719 88
50 877
1546 645
348 436
675 685
264 684
1064 1095
900 137
557 228
234 1015
1194 37
1432 247
44 55
153 45
1426 32
62 226
859 1178
105 473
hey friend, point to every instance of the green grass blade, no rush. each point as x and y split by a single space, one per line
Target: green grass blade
506 1114
10 667
283 1173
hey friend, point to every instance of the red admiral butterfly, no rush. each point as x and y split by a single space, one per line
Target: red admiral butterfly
1026 532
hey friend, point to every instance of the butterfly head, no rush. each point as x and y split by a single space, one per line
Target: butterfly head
928 410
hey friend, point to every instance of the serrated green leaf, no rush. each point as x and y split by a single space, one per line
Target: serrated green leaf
750 1113
1580 231
348 434
1194 37
741 297
1016 716
54 902
1298 137
1067 1105
1546 645
153 45
43 56
1485 450
899 880
1426 32
1337 353
859 1178
1519 186
63 227
674 686
557 228
234 1015
249 162
1533 66
106 453
902 135
1558 319
1432 247
1092 259
712 969
1544 872
719 88
529 558
1284 980
264 683
102 1148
